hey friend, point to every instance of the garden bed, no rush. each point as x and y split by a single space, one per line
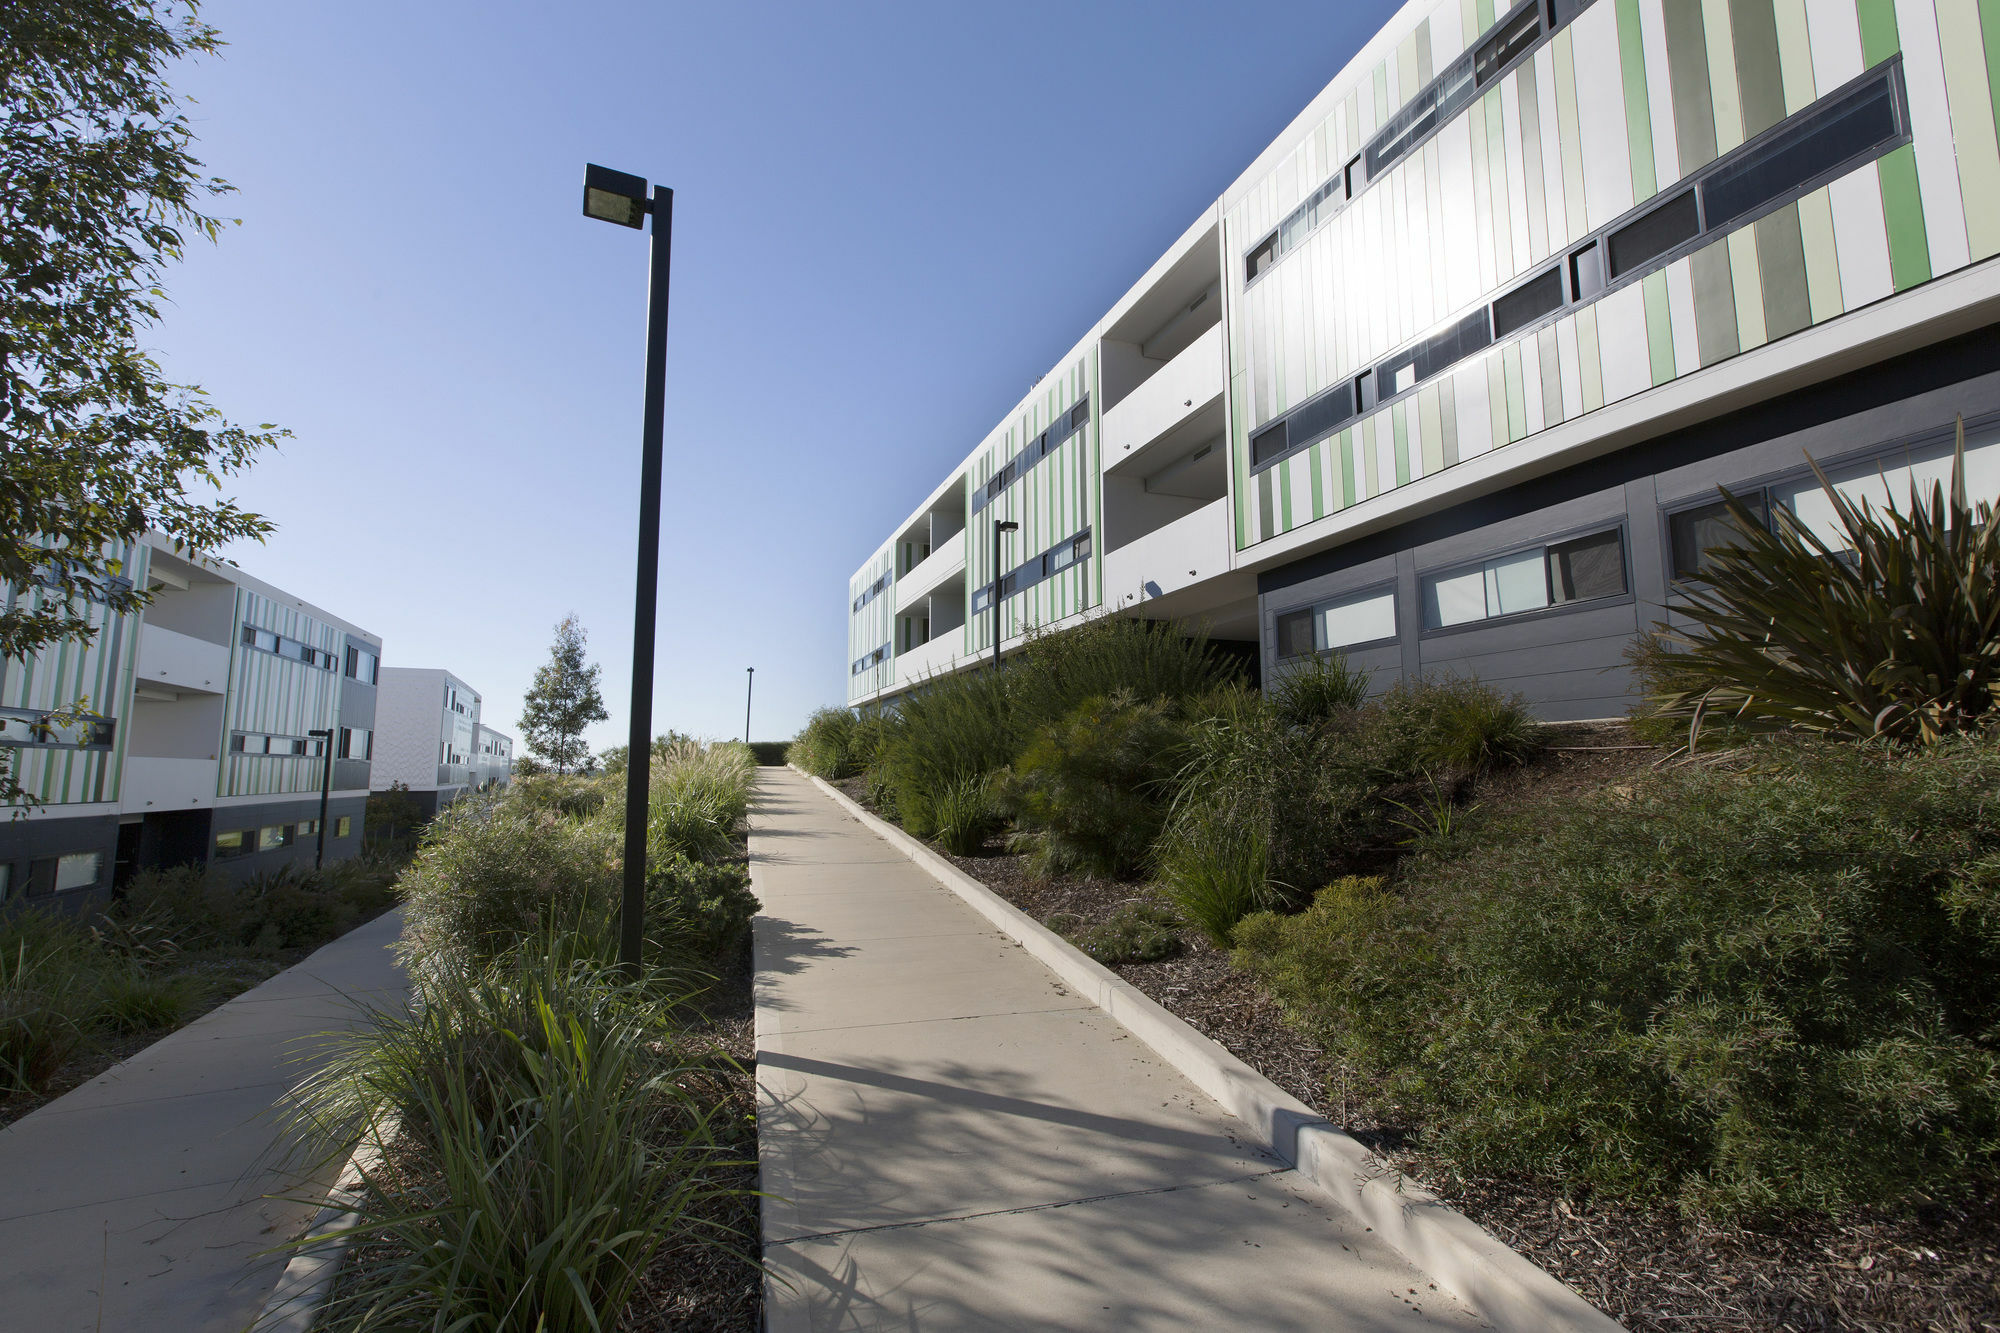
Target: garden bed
1933 1267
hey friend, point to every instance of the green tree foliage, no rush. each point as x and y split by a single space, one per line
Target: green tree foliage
98 191
562 702
1899 636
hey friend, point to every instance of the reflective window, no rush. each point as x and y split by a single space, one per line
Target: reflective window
1295 634
1359 620
78 870
1898 480
235 842
273 836
1579 570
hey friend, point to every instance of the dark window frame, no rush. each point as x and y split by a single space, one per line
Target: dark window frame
1622 526
1317 607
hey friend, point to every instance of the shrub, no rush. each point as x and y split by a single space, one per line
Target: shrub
697 911
1709 991
835 743
565 1139
698 797
771 754
48 998
578 797
134 1001
947 730
1899 636
1318 690
1055 671
1443 724
962 816
292 907
1086 793
489 875
1214 867
1135 933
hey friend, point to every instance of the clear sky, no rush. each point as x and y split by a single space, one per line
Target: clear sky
889 219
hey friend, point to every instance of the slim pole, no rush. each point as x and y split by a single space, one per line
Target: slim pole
748 685
1000 525
646 597
325 794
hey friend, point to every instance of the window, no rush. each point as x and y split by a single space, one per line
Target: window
1587 568
1510 41
1066 425
273 836
1895 480
343 827
1648 237
1579 570
1853 127
1586 271
1538 296
1295 634
269 642
1693 533
78 870
233 843
356 743
1365 619
308 828
362 664
35 728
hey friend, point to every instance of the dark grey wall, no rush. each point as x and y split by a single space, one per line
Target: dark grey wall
1569 661
24 841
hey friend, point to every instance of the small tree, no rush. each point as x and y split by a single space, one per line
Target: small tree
562 702
97 189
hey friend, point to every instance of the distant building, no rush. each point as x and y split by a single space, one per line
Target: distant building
429 722
492 758
200 750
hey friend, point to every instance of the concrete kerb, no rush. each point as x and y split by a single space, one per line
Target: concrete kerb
307 1283
1496 1281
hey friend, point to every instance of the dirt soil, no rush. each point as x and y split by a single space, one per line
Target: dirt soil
1933 1269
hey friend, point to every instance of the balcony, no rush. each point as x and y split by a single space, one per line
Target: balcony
1179 390
929 659
945 560
181 662
1191 550
151 785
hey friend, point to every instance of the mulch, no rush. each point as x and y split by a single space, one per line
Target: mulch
1934 1268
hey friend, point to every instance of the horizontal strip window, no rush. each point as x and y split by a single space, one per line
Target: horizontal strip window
57 874
269 838
874 659
362 665
256 742
266 641
1066 424
875 589
1903 479
1065 554
1582 569
93 584
34 728
1332 626
1511 41
1831 136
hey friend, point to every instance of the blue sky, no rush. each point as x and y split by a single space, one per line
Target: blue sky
889 219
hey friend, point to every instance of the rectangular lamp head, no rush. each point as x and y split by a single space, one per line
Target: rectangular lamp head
613 196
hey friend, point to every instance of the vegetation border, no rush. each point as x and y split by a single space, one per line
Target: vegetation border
1498 1282
307 1282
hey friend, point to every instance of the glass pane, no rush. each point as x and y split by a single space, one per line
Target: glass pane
273 835
1361 621
1516 583
1695 532
1455 600
78 870
1869 483
1588 567
1295 634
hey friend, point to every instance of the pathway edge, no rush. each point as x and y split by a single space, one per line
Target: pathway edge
307 1282
1497 1281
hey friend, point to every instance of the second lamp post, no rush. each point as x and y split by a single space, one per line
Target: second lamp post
1000 525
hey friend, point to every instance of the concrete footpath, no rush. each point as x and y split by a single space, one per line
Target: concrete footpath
138 1200
955 1140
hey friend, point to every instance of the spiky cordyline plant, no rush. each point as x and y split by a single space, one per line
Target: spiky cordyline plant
1899 639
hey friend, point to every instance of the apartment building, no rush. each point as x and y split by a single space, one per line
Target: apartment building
492 758
200 749
1452 376
428 736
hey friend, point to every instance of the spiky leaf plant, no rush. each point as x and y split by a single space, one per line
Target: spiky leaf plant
1897 637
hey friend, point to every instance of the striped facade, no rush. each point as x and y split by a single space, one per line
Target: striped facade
1521 288
275 695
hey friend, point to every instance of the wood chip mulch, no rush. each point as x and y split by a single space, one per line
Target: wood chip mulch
1933 1269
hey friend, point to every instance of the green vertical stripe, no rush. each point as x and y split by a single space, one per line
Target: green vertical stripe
1318 480
1517 395
1903 212
1971 97
1399 426
1781 259
1638 111
1371 465
1589 359
1760 79
1716 32
1795 54
1659 327
1347 492
1749 285
1448 418
1569 135
1284 471
1431 419
1879 38
1552 386
1822 258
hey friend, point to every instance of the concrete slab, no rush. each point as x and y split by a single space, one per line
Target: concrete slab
143 1198
955 1140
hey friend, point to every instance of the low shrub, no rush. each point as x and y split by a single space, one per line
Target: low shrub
835 743
696 910
1214 867
1443 725
1087 793
49 982
577 797
1149 660
566 1140
292 907
962 815
1135 933
698 797
1708 990
771 754
136 1001
1318 690
942 733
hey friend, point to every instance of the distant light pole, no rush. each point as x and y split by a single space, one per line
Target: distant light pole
325 735
613 196
1000 525
749 682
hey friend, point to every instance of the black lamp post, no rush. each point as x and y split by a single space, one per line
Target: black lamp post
613 196
325 735
1000 525
749 682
